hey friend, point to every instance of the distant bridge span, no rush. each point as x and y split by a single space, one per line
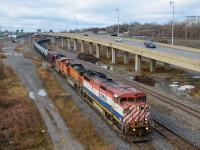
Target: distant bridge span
185 57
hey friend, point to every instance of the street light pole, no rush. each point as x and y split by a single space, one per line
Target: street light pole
76 24
186 33
118 22
172 3
66 25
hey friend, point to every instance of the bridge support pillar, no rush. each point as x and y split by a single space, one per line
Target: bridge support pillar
52 40
108 52
97 50
62 42
138 60
82 46
152 65
75 44
68 43
114 56
90 48
126 57
167 66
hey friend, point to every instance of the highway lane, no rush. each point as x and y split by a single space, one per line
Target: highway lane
184 53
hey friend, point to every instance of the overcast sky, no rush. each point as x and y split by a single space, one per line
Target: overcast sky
59 14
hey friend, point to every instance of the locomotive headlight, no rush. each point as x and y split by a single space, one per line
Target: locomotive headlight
145 119
147 128
134 129
135 120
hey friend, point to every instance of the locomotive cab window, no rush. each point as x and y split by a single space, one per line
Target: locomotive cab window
144 98
131 99
138 99
103 88
123 100
87 79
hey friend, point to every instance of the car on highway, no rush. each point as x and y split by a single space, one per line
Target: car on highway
84 34
149 44
118 40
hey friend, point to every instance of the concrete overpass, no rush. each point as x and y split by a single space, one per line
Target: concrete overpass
185 57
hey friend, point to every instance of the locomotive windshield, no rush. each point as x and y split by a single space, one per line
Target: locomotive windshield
141 98
125 99
131 99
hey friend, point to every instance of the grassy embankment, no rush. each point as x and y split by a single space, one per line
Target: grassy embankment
78 123
20 121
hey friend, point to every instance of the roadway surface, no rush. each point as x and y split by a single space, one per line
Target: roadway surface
184 53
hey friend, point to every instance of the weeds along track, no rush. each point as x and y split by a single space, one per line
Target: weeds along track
173 138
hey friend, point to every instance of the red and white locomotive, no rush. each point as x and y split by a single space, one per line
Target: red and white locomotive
124 105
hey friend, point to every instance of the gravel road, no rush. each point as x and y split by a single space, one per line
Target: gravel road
56 127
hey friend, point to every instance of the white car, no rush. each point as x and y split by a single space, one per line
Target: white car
118 40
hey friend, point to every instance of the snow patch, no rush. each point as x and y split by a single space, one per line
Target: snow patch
51 105
184 87
196 77
173 85
105 67
175 82
42 92
13 54
32 96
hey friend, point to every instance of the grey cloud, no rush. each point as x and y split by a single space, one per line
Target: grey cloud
35 14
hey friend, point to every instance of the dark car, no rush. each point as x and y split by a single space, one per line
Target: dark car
149 44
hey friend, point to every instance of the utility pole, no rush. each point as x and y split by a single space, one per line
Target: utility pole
66 25
76 23
118 22
186 33
172 3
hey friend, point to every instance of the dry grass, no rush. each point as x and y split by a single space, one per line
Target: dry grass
195 91
79 125
21 124
2 55
6 40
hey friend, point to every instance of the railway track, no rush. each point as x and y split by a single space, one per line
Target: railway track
148 91
144 146
175 139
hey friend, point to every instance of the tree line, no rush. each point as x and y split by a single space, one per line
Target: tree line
181 30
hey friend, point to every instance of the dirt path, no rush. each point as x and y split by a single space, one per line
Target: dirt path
56 127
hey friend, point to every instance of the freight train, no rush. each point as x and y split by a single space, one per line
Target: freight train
124 106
